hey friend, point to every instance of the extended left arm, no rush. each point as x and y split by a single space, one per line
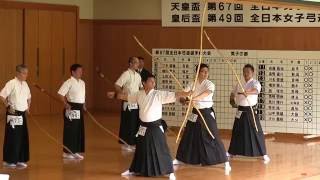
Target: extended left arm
202 95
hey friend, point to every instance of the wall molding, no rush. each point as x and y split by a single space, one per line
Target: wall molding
127 22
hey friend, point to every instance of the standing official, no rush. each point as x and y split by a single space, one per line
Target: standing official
129 83
73 94
17 98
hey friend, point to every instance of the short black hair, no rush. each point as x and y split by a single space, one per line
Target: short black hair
249 66
21 67
74 67
131 59
147 76
140 58
202 65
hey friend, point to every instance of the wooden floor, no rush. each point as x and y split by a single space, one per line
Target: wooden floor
291 157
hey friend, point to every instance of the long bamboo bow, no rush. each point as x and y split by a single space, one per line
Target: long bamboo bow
197 73
181 87
237 77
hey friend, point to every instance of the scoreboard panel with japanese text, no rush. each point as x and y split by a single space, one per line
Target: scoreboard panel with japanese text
289 100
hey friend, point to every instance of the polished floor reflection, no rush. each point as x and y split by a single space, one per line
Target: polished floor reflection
291 157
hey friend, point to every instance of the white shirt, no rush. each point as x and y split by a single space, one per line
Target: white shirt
130 80
74 90
150 105
17 93
205 102
240 99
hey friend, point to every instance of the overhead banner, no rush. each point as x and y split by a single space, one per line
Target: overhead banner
187 13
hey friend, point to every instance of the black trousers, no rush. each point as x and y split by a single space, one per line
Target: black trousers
73 131
16 140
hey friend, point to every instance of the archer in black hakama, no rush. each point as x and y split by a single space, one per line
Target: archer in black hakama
152 156
245 140
197 146
247 135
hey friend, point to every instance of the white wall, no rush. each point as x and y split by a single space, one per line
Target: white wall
127 9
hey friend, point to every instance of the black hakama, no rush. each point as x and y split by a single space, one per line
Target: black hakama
129 125
73 131
152 155
197 146
245 140
16 140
